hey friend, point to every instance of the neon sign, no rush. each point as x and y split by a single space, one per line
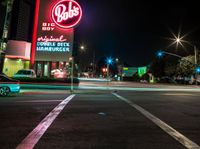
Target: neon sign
51 41
52 44
48 26
66 13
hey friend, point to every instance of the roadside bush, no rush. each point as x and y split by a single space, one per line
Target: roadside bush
127 78
145 77
134 78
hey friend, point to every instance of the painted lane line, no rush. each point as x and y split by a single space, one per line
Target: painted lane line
38 101
168 129
31 140
179 94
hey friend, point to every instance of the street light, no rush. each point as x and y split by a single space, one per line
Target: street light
179 41
109 62
161 53
71 59
117 60
82 47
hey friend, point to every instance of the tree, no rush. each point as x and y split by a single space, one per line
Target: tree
171 66
157 67
186 66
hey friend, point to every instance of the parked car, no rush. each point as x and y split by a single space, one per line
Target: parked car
25 73
167 80
185 79
8 85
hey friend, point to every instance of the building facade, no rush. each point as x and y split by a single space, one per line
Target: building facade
40 37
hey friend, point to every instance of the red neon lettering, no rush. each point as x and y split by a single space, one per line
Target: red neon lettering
63 15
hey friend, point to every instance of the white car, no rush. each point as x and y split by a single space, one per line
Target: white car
8 85
25 73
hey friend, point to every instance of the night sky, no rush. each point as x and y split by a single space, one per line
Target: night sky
134 30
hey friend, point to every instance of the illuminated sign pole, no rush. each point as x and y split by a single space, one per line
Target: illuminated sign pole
67 14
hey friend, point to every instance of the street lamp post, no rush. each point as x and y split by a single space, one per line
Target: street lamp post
179 41
161 53
82 47
108 72
195 62
195 55
72 74
94 66
93 56
109 61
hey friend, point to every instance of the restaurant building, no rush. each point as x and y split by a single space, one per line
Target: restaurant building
41 35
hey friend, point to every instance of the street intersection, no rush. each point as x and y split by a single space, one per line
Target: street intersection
141 118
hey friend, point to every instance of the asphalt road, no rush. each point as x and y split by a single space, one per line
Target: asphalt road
101 120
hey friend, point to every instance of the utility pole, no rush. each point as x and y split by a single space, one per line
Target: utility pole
108 73
195 63
94 66
195 55
72 74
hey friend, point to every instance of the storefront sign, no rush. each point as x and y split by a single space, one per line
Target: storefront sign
66 13
53 33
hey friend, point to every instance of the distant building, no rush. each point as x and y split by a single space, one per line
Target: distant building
131 71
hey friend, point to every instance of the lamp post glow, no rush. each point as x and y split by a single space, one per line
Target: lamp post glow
82 47
178 40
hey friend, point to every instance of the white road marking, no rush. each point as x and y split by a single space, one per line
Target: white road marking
31 140
168 129
35 101
179 94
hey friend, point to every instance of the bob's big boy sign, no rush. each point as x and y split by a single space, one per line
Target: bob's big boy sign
54 29
66 13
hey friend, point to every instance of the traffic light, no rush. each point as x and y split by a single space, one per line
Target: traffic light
109 61
104 70
198 69
160 54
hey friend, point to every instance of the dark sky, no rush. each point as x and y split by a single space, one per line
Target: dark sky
134 30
